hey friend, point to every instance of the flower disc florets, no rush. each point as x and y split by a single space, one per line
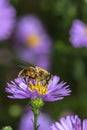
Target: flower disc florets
27 88
39 87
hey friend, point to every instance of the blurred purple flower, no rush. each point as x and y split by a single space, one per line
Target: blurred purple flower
26 122
70 123
32 41
31 33
7 19
78 34
44 62
21 89
36 59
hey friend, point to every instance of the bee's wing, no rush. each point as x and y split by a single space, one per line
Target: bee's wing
21 66
25 64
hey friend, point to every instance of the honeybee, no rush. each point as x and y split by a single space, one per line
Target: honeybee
36 73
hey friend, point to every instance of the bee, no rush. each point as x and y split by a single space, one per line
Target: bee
36 73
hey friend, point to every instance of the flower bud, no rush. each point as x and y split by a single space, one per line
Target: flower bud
37 103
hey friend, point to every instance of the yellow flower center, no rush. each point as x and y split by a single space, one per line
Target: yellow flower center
33 40
42 90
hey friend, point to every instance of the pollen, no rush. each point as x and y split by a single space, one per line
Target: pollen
33 40
42 90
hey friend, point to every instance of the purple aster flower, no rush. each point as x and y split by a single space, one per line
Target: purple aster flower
44 62
23 88
31 33
36 59
78 34
70 123
33 43
26 122
7 19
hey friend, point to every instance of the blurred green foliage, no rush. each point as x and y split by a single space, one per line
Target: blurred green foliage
67 62
7 128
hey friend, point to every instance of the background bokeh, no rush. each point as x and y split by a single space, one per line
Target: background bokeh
66 61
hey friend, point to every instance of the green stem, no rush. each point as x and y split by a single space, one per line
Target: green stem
36 104
36 114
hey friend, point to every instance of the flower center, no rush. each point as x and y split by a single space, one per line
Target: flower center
42 90
33 40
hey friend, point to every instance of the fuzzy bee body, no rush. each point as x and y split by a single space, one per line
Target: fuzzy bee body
36 73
